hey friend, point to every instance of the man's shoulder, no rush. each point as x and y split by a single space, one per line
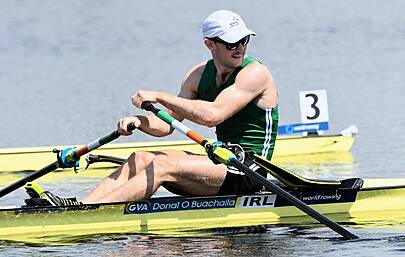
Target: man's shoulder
199 68
256 76
256 68
195 72
193 76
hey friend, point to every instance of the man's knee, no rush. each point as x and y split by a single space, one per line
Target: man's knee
141 158
164 166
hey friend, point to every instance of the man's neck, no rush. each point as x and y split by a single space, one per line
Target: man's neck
223 73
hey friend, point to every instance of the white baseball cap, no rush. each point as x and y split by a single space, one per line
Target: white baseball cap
226 25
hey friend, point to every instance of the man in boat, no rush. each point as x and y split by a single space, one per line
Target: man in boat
233 92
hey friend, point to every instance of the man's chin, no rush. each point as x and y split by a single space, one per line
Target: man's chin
237 60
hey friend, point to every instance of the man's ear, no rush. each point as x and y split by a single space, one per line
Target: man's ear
209 43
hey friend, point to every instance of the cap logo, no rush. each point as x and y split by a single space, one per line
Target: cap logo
234 22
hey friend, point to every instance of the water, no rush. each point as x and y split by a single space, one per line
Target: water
67 70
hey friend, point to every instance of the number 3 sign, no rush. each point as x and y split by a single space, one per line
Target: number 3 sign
314 106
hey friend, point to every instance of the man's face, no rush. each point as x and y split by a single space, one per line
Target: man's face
230 55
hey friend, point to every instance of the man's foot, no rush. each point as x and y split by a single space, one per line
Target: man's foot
40 197
35 202
59 201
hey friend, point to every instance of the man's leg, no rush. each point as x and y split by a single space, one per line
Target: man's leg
144 172
135 163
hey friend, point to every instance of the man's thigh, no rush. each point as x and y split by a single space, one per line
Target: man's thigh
194 174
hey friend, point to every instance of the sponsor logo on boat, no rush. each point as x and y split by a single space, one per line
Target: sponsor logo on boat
299 127
57 209
172 204
82 207
258 201
320 197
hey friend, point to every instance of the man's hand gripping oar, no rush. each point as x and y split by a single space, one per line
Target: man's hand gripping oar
226 157
67 158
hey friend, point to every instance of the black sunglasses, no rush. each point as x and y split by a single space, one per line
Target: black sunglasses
232 46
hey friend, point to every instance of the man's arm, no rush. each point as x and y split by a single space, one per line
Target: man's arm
251 82
153 125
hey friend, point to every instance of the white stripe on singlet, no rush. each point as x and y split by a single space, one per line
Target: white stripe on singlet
266 145
267 139
269 129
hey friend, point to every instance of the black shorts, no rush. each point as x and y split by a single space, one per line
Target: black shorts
239 184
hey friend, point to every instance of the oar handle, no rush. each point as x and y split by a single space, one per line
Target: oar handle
131 126
148 106
101 141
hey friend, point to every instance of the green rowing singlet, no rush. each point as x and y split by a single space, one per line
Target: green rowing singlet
254 128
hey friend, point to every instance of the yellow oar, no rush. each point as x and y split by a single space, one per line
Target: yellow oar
226 157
